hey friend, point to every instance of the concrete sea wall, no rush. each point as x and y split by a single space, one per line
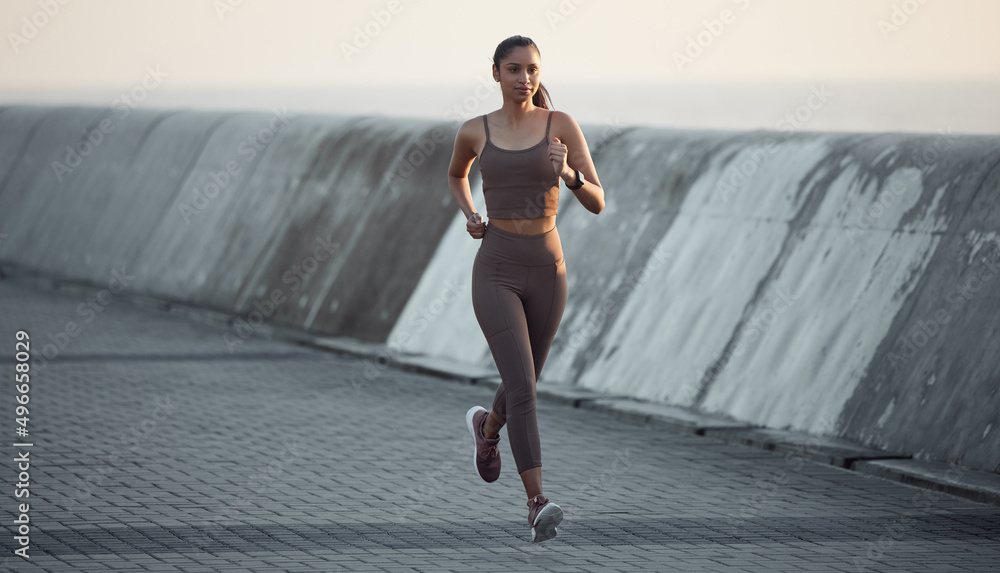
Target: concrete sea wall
841 284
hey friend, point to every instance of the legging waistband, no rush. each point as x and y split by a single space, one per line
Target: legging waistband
528 250
492 227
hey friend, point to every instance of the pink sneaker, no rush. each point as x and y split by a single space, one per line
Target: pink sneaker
543 517
487 455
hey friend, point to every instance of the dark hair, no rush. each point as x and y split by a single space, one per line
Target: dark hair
541 97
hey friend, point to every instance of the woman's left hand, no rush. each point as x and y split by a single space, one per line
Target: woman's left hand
557 155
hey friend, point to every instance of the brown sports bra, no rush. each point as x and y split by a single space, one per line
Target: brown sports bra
519 184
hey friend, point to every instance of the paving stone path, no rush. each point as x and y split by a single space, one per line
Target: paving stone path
157 448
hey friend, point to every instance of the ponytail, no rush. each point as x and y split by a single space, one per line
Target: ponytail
541 97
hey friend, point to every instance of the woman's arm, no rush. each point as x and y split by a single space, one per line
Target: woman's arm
577 156
458 172
458 178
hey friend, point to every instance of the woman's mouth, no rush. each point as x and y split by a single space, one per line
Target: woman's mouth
524 90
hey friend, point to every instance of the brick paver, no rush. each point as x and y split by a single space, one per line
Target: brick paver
158 449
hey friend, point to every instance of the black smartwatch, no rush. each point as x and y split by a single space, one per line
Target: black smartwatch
578 183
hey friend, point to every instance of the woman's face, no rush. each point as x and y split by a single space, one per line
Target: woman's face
519 74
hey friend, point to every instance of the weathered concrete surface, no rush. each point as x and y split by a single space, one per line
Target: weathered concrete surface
783 280
294 217
842 285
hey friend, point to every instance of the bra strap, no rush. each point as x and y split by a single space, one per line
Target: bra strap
487 126
547 124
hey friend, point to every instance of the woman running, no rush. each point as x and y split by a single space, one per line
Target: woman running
519 275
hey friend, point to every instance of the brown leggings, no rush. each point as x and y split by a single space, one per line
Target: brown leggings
518 294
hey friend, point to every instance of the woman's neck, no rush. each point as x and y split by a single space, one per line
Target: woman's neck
514 112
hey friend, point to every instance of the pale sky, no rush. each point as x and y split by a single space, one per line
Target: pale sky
109 44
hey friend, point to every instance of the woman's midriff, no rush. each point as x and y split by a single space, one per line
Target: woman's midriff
525 226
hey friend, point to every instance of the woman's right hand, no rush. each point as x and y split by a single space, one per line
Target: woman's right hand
476 226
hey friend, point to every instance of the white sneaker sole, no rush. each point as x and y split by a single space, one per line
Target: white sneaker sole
468 422
545 524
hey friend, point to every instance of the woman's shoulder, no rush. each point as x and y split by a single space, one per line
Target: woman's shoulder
564 126
471 134
562 118
472 127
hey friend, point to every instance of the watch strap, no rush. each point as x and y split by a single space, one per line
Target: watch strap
578 183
